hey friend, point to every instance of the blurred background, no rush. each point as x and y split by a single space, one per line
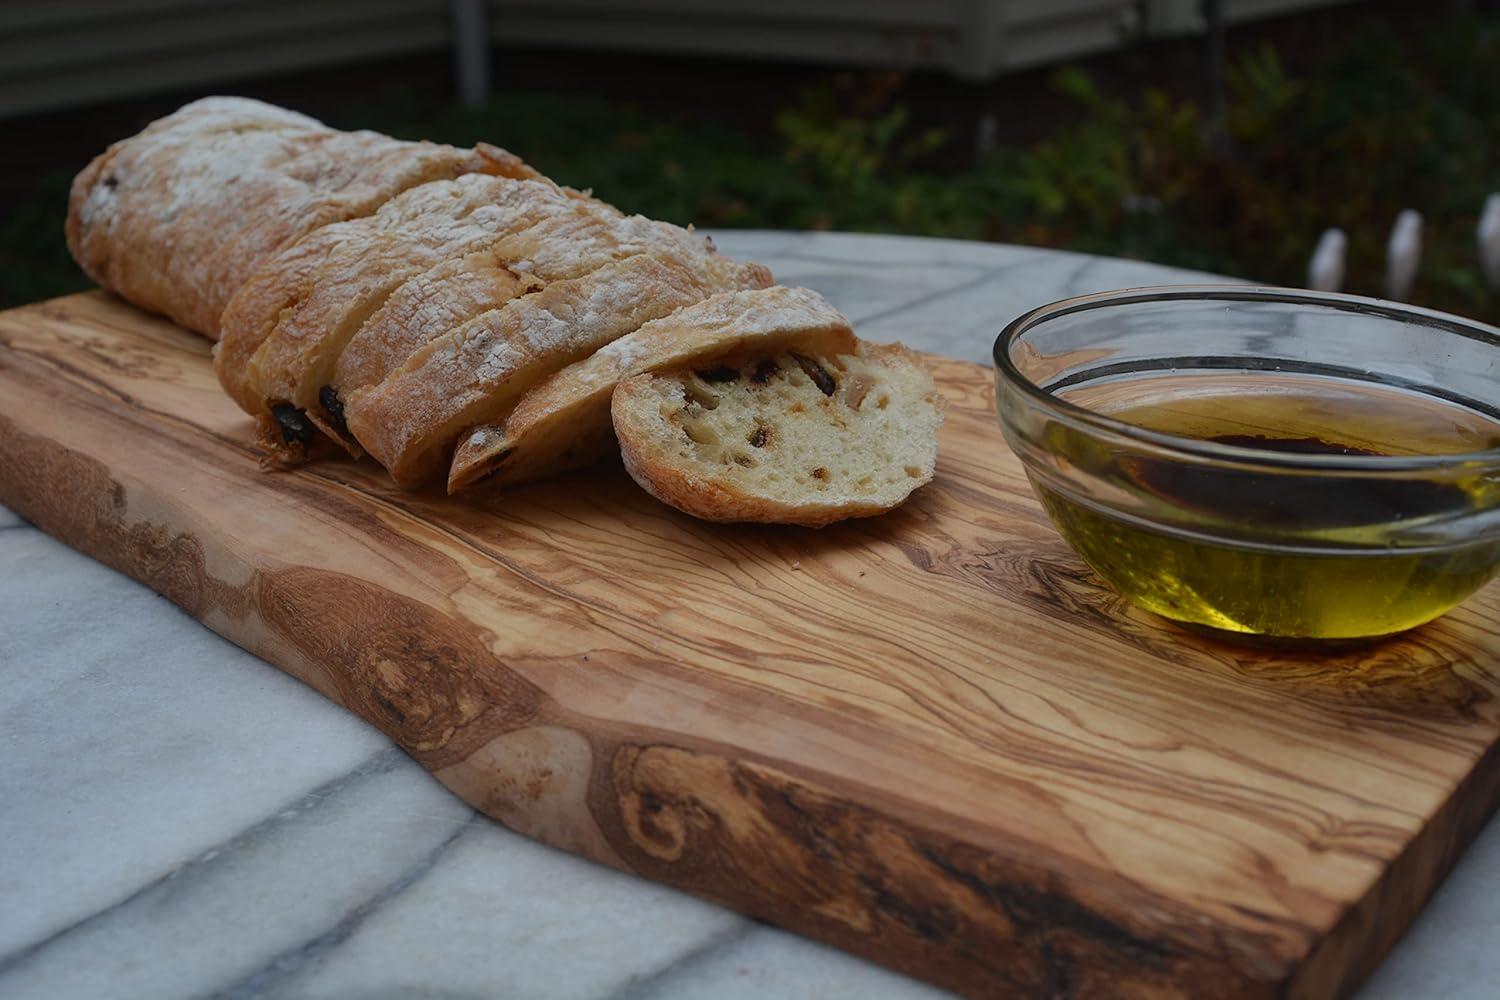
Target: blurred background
1224 135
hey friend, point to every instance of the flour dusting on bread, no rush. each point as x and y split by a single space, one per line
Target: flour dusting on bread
177 218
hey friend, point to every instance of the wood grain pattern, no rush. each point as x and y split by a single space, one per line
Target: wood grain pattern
932 738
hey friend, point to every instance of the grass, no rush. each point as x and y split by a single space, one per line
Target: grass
1384 122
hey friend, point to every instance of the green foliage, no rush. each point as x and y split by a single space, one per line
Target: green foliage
850 151
864 165
1379 123
1390 124
642 162
34 260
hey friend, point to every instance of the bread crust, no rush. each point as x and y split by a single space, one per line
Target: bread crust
176 218
424 308
564 422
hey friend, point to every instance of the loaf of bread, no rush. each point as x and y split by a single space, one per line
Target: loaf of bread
460 317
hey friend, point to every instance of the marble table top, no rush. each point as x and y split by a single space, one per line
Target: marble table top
245 837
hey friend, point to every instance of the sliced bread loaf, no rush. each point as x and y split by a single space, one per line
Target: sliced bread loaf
786 439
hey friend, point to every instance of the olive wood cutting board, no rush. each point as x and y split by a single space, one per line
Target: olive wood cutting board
931 738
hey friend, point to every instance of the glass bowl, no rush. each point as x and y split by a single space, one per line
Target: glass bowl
1263 463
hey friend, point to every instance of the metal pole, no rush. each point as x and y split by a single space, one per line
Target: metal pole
471 50
1213 17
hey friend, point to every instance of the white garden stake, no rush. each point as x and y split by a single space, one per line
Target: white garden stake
1325 271
1489 242
1403 254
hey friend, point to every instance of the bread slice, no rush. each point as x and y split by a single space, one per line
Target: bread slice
564 423
424 308
177 217
410 421
421 221
557 248
315 297
792 439
603 278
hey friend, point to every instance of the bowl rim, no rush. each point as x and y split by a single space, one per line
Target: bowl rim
1237 454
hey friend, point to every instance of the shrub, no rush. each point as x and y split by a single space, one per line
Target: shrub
1385 123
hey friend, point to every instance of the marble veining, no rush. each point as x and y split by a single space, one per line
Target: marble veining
303 955
247 838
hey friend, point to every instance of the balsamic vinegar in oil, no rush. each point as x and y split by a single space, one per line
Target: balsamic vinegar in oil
1314 557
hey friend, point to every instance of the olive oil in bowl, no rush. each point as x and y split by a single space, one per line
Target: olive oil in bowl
1327 546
